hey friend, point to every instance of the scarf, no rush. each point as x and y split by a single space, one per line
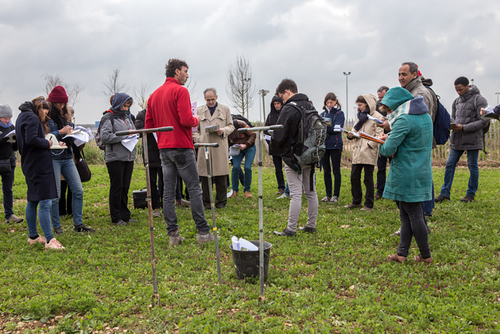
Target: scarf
362 118
5 126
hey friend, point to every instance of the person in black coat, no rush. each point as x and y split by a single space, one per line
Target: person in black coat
155 172
7 148
36 163
272 119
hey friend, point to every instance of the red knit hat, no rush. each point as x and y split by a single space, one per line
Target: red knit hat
58 95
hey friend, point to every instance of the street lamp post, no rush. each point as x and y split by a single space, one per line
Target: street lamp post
347 94
497 93
263 93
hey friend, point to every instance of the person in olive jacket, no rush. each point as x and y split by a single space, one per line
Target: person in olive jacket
410 176
36 163
7 148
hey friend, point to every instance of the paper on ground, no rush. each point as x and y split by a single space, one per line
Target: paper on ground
130 142
243 245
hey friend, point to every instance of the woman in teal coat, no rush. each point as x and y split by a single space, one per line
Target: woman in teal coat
410 177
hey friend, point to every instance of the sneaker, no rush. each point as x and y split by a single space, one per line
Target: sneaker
132 220
441 198
156 213
308 229
82 229
40 239
54 244
120 223
247 194
334 199
182 203
365 208
175 238
377 197
280 192
352 206
326 199
234 194
58 230
206 237
428 214
397 233
14 219
466 199
285 195
285 233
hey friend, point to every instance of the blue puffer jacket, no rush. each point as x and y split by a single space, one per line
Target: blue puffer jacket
334 139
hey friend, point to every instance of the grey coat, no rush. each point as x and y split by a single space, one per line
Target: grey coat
115 151
466 111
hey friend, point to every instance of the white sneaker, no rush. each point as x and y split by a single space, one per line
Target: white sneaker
285 195
397 233
54 244
40 239
229 194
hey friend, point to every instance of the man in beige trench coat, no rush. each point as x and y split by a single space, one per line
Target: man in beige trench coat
214 114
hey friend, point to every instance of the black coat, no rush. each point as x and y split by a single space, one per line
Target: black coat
36 159
7 149
272 119
284 141
153 151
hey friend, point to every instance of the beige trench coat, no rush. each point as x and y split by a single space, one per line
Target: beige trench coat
366 151
219 163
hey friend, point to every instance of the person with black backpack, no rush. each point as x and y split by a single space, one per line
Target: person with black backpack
287 143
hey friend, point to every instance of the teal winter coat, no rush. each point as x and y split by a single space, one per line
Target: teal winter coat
410 141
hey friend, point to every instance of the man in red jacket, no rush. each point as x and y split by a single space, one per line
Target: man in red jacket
170 105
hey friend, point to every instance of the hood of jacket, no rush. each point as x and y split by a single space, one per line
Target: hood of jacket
276 99
415 106
118 102
371 100
426 81
473 90
395 97
27 106
298 97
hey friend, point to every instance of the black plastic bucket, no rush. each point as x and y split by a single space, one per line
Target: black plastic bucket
246 263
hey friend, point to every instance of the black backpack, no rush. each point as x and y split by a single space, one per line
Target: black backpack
442 122
312 135
98 139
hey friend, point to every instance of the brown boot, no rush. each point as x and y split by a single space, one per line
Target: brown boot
247 194
396 258
234 194
419 259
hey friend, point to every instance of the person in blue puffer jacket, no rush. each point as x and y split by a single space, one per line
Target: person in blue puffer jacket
334 146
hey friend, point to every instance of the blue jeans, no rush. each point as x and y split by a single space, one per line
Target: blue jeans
449 173
67 168
181 161
43 217
8 199
249 155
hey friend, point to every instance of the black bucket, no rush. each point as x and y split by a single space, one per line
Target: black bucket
246 263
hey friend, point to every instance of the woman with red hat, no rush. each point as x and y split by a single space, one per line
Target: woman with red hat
60 125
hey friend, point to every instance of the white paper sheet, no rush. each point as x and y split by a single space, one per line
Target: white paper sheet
130 142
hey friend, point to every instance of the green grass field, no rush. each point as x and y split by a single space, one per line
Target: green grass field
335 281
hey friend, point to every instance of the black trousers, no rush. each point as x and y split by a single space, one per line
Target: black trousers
356 191
381 174
156 182
334 156
120 175
413 225
220 189
65 203
278 170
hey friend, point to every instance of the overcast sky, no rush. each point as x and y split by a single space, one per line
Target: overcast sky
311 42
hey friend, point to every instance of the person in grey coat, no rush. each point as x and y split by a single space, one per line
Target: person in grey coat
119 160
467 135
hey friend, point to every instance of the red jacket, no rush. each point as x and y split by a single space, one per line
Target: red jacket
170 105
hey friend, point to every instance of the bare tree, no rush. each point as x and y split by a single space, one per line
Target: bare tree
112 85
73 90
141 95
240 88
